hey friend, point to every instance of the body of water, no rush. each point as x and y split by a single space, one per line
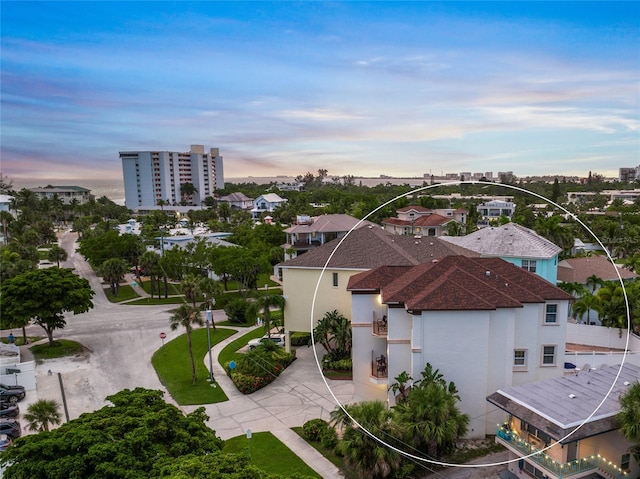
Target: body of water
114 190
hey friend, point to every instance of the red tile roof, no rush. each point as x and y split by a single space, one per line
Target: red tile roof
458 283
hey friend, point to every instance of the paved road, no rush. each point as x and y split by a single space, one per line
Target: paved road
121 340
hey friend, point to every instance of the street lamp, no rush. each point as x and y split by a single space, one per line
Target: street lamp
208 321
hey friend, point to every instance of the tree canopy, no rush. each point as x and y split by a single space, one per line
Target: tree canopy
44 295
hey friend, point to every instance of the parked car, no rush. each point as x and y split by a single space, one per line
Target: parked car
12 393
11 428
8 409
5 442
274 338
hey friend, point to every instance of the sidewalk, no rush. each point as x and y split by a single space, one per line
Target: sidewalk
295 397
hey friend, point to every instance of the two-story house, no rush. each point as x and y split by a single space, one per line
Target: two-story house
266 203
237 200
418 220
495 209
483 322
566 427
312 231
516 244
315 283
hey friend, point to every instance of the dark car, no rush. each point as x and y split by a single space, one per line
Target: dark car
8 409
11 393
10 427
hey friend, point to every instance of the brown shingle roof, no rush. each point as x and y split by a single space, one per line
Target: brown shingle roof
458 283
577 270
371 247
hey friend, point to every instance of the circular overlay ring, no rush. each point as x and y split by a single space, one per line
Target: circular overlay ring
430 460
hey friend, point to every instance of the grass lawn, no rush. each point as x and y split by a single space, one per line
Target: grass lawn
230 350
125 292
269 454
60 348
156 301
172 288
18 340
330 454
173 366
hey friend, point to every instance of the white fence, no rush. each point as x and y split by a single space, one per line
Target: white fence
23 374
601 337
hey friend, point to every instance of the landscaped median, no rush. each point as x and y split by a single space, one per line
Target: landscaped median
172 364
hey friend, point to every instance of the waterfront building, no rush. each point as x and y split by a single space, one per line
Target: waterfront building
151 177
66 194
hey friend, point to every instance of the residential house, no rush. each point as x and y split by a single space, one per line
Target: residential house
310 232
579 270
315 283
418 220
495 209
516 244
566 427
266 203
66 194
237 200
484 323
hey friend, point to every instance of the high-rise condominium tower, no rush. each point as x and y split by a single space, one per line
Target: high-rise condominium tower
152 176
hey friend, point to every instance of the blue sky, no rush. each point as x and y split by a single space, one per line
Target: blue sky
362 88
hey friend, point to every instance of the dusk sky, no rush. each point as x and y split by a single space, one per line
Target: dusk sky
361 88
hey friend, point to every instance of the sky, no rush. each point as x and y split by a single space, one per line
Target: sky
356 88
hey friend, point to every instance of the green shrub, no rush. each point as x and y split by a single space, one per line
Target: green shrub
259 367
300 339
338 365
314 429
236 310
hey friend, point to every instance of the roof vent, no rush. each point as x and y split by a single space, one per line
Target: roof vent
626 383
572 396
487 273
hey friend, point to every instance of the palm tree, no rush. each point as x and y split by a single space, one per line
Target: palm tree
363 454
212 290
629 417
190 288
187 189
632 262
589 302
265 303
577 290
552 229
57 254
186 316
593 282
333 332
430 414
113 271
41 414
150 263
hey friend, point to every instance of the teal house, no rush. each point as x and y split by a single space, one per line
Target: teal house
516 244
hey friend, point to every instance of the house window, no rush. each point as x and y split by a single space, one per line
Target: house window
551 314
529 265
625 462
548 355
520 359
335 279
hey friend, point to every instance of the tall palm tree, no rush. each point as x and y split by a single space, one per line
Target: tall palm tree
187 189
212 290
589 302
629 417
365 456
265 303
41 414
191 288
150 263
186 316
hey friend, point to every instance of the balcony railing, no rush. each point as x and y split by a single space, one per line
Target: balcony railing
559 469
380 326
378 366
